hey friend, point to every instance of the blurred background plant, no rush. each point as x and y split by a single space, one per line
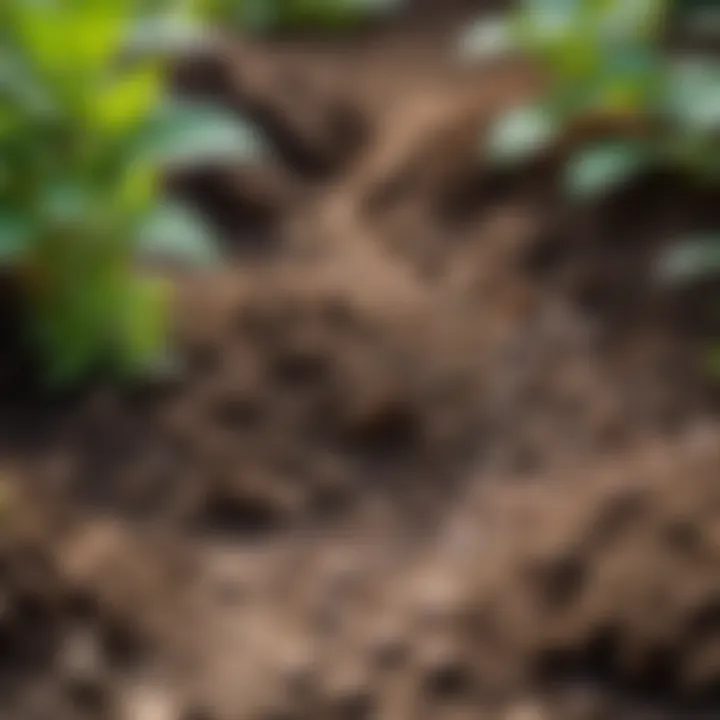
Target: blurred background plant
606 61
87 128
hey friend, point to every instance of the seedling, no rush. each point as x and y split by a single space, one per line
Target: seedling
87 129
606 60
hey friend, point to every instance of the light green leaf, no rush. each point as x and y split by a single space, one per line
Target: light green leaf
174 233
693 93
94 35
691 260
16 235
167 36
548 23
521 134
599 169
64 203
188 136
630 79
42 34
144 316
126 101
632 20
488 38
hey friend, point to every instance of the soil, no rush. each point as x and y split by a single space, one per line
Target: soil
439 444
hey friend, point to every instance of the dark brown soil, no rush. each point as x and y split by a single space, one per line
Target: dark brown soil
439 445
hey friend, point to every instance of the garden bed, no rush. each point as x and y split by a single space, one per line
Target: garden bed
440 446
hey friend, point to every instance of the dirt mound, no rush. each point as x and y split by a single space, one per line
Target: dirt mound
613 583
579 594
85 600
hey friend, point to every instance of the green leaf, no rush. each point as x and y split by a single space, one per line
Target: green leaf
20 88
126 101
38 30
521 134
630 79
693 93
550 21
94 33
166 36
16 234
599 169
691 260
64 204
66 328
173 233
488 38
143 321
75 120
632 20
188 136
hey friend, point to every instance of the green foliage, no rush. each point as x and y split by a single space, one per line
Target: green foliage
605 59
600 57
603 166
695 258
524 131
86 130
